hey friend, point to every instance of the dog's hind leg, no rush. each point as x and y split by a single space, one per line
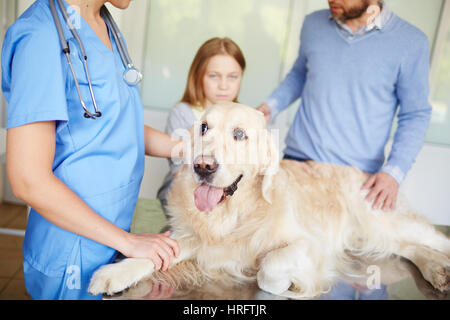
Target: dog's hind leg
423 233
411 237
434 265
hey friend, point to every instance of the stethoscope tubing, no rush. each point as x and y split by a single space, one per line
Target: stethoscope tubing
126 60
117 36
124 55
66 50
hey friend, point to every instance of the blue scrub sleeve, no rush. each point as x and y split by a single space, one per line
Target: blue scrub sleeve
34 81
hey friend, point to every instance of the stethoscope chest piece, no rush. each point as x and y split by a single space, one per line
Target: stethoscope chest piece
132 76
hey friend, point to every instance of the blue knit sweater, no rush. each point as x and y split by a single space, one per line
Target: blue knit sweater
351 87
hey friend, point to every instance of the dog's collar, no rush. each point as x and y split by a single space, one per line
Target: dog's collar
228 191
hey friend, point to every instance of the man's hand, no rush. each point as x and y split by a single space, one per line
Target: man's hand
264 108
384 191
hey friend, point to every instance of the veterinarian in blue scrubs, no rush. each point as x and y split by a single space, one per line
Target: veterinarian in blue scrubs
81 176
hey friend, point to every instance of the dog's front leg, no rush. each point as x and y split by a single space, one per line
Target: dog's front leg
291 271
116 277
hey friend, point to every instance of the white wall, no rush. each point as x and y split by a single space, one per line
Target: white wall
427 186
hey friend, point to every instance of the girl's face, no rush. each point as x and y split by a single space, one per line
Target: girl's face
222 79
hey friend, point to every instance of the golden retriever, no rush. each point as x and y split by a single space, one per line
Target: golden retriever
239 213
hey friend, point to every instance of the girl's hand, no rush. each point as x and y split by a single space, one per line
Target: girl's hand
159 144
157 247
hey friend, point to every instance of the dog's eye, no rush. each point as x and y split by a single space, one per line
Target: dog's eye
204 128
239 134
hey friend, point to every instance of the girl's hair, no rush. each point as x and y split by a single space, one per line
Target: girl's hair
193 94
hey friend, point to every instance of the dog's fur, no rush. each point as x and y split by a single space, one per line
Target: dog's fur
293 227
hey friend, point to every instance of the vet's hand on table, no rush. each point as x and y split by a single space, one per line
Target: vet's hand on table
264 108
384 191
157 247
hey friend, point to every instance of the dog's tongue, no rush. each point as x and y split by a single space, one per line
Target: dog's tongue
207 197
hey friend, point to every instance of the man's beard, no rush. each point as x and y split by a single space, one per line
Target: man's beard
354 12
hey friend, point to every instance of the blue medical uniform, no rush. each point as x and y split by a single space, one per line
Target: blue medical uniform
101 160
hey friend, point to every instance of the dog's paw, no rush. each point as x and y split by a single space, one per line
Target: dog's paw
439 276
272 283
107 280
441 279
113 278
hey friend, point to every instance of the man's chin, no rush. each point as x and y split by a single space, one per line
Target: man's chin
337 16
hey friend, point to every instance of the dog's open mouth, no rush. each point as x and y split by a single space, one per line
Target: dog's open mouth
208 197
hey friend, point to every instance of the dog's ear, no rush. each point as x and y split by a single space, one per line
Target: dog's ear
270 161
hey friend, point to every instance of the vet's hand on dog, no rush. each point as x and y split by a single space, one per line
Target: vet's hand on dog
157 247
384 191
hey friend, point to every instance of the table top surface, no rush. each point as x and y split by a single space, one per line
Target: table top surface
403 280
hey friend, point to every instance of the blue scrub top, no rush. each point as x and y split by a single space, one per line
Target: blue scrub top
101 160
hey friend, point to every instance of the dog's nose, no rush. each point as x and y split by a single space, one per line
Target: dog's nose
205 166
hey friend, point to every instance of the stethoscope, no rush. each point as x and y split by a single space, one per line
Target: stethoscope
131 75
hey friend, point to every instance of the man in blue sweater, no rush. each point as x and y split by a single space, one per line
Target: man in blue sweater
353 73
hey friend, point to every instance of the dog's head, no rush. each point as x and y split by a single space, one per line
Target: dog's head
231 148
